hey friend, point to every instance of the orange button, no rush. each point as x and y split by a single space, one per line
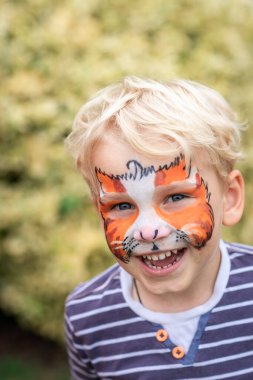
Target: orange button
178 352
162 335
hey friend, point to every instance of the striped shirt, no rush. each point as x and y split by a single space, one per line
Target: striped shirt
107 340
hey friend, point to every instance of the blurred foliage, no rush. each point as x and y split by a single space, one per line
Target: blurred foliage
54 55
12 368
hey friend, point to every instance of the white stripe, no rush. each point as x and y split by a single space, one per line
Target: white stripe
99 288
140 370
226 341
235 255
68 323
93 297
164 367
80 362
241 270
85 375
131 354
85 285
78 371
232 306
98 311
239 287
227 324
240 248
115 340
223 359
69 336
226 375
109 325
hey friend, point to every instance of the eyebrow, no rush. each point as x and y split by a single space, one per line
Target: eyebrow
114 197
177 186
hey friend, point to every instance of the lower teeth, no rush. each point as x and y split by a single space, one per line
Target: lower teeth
156 267
148 263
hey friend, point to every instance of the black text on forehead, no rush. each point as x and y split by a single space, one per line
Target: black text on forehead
137 171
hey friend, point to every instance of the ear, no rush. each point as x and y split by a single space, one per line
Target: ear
233 198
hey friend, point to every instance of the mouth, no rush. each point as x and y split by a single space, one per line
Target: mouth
163 260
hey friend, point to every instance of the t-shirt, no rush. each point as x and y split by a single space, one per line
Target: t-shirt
107 339
181 327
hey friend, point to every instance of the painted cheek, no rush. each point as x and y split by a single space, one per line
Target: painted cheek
196 220
200 229
115 233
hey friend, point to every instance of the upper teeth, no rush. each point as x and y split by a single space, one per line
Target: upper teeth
160 256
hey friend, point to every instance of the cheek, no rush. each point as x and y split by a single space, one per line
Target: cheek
196 221
200 229
115 233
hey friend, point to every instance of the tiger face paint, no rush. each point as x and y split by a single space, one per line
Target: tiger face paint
152 209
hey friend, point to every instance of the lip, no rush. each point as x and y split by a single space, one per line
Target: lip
150 253
163 271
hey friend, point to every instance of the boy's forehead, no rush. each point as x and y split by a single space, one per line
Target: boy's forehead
112 154
120 160
135 170
139 179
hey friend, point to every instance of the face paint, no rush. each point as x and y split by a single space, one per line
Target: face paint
115 230
193 214
147 209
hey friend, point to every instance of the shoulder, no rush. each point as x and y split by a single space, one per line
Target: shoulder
100 283
239 250
241 257
93 294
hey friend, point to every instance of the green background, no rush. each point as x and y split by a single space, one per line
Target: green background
56 54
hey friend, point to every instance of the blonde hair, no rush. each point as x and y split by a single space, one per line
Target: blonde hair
144 111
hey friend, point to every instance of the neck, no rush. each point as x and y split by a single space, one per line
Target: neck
178 301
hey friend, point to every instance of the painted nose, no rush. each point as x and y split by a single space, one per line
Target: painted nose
149 233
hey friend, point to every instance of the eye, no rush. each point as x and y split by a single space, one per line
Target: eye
122 206
175 198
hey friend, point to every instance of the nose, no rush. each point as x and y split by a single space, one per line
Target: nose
149 233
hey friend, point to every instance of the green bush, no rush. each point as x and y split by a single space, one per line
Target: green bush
54 55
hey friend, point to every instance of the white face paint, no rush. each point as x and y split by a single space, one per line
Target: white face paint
148 226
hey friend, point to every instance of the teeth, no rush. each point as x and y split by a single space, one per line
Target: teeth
160 256
154 267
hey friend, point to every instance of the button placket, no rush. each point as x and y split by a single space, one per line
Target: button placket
177 352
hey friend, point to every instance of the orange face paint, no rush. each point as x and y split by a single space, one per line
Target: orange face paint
196 219
115 229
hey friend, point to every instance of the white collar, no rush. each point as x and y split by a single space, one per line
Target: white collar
173 318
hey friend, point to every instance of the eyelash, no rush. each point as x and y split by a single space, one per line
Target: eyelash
118 205
170 199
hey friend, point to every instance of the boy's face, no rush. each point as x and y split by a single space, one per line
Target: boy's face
162 220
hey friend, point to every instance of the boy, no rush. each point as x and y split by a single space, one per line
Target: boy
159 159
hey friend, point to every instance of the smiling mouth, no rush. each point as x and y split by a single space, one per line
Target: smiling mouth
163 260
